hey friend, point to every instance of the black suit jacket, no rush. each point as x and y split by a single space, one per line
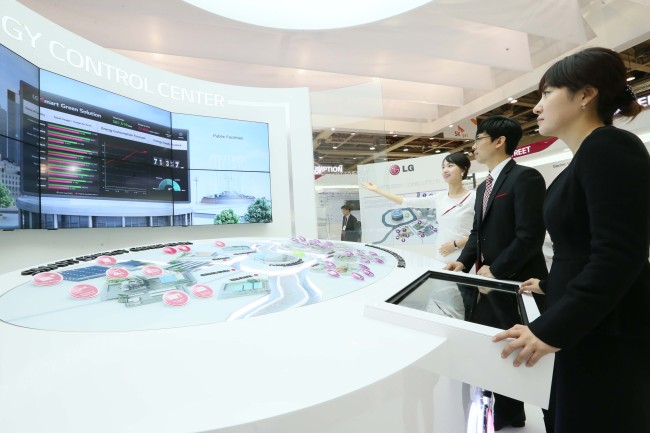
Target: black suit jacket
351 233
511 234
509 239
600 226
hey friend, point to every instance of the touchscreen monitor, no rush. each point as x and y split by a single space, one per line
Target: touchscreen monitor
487 302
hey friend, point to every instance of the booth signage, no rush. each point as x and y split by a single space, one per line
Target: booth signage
395 169
322 169
535 147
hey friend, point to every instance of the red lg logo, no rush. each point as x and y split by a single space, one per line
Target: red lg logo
394 169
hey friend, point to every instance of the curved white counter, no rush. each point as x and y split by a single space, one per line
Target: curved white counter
326 367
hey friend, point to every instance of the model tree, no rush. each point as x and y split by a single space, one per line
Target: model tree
259 212
5 196
227 216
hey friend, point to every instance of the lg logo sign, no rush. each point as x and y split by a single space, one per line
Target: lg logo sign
395 169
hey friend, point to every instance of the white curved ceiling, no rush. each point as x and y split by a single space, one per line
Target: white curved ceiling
414 73
332 14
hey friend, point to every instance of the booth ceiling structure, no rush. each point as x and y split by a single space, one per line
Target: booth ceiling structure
394 84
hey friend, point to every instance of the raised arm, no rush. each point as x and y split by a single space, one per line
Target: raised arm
389 195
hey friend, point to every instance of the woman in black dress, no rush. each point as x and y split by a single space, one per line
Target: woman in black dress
597 212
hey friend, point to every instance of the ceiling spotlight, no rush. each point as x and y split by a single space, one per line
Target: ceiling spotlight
630 78
372 148
320 157
334 147
437 150
391 132
353 133
451 126
513 101
332 129
406 149
510 99
394 135
430 138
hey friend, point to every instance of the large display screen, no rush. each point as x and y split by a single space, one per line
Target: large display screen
229 167
89 150
74 155
14 70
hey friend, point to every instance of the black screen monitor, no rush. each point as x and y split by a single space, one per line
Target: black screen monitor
487 302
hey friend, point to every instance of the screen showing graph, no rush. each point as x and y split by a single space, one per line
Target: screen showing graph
74 155
89 150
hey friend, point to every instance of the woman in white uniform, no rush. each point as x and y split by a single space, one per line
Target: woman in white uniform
454 207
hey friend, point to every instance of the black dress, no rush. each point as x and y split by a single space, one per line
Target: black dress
597 213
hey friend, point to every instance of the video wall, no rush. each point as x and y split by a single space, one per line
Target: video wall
76 156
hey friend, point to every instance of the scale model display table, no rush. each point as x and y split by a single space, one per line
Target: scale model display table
207 336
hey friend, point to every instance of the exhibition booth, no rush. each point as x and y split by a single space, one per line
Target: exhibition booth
128 305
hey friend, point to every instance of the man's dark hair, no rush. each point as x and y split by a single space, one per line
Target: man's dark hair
497 126
345 206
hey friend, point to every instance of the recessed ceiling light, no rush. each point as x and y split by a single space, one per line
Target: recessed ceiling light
430 138
437 150
353 133
394 135
372 148
334 147
406 149
510 99
630 78
332 129
513 101
391 132
451 126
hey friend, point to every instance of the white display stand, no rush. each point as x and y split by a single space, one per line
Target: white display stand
348 364
471 356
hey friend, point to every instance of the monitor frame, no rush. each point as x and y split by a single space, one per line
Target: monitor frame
500 285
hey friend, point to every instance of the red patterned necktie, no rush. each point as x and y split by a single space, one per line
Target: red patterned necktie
488 190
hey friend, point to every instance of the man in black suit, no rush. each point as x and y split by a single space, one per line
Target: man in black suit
349 231
507 235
